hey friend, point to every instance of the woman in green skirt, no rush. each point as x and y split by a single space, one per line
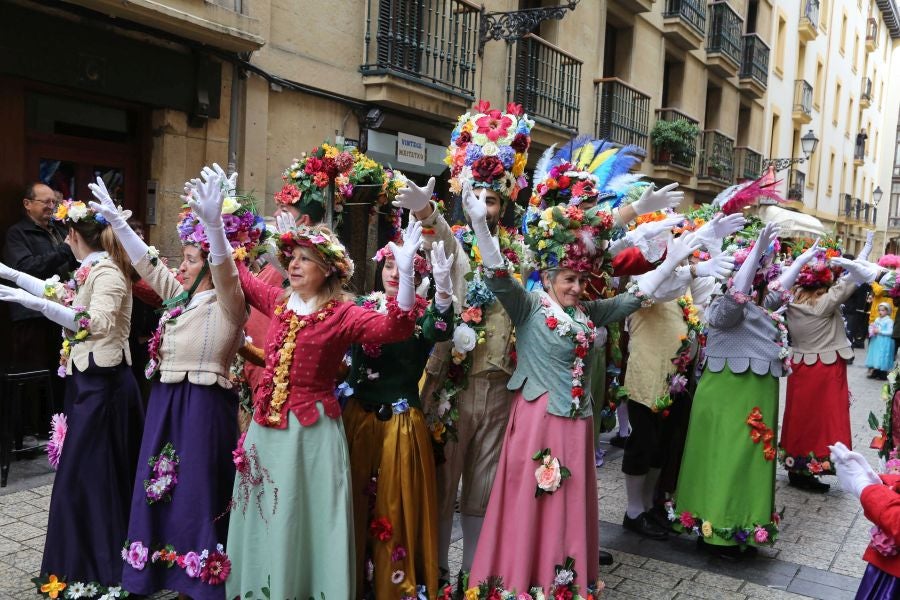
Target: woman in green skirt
726 488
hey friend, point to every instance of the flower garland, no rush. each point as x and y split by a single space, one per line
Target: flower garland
550 474
677 382
211 568
758 533
379 301
164 467
562 588
58 428
250 474
809 464
83 318
53 587
583 337
168 316
759 431
276 378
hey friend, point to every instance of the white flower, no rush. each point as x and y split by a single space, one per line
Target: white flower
152 252
789 461
91 590
230 205
76 589
77 211
444 404
490 149
548 475
480 139
564 577
464 338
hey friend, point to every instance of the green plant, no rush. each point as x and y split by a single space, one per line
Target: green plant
676 137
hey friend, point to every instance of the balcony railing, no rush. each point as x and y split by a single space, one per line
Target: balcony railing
866 208
858 207
747 162
547 81
725 32
796 183
621 113
716 157
810 13
682 159
755 59
872 32
859 148
692 12
803 94
848 205
433 42
866 92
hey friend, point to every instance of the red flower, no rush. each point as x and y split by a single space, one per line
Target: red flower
482 106
563 182
814 466
581 351
562 593
216 569
381 529
313 165
487 168
464 138
472 315
494 595
520 143
515 109
552 322
287 195
494 125
577 391
584 188
329 167
320 179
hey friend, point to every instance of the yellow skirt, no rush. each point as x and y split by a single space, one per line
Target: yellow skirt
394 502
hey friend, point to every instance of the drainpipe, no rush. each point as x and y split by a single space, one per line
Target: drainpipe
237 92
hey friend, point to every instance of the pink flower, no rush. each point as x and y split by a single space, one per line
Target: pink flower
58 429
398 554
883 543
192 564
687 521
440 325
482 106
548 475
216 569
239 455
494 125
761 535
137 555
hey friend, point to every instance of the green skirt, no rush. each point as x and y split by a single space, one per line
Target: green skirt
726 487
291 528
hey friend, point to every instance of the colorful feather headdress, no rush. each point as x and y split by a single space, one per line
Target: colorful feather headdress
738 197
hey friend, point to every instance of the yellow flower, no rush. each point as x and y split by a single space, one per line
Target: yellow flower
240 253
476 254
82 333
455 185
330 151
706 529
518 166
472 593
53 587
542 244
61 212
230 205
437 431
469 126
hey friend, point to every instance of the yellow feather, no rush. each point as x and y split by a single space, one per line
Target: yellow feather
601 158
585 156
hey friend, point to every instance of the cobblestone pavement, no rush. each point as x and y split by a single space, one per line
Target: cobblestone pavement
818 553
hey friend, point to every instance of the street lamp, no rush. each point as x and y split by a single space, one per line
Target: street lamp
808 145
876 198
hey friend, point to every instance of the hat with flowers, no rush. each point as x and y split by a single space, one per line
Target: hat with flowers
816 273
420 263
75 211
567 237
245 229
323 241
489 149
306 179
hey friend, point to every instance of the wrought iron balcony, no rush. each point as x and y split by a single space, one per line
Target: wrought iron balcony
754 75
865 95
621 112
866 209
716 157
724 38
809 21
848 205
871 34
747 163
803 94
796 183
432 42
684 22
857 204
683 158
547 81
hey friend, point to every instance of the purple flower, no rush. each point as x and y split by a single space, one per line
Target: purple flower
398 554
440 325
473 153
164 466
740 536
506 155
192 564
137 555
678 383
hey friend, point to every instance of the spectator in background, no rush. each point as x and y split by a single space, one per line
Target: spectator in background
36 246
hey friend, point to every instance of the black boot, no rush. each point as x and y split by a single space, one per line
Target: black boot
644 525
606 558
809 483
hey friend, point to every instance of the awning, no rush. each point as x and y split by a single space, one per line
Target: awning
791 223
383 148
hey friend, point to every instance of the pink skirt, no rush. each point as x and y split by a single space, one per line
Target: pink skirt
523 537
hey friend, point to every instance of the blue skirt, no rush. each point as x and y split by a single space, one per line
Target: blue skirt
92 490
881 353
878 585
200 422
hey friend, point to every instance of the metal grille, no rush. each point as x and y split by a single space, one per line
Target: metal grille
547 82
755 59
691 12
725 32
622 113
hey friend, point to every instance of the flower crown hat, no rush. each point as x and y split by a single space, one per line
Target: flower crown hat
567 237
489 149
817 273
75 211
420 263
246 231
323 241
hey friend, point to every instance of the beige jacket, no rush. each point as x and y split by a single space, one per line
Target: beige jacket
106 295
201 342
817 330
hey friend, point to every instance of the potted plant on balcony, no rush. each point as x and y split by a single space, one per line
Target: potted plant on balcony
674 138
716 167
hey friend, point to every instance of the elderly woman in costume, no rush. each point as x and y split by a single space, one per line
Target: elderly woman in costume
391 458
546 480
185 472
88 519
291 528
817 404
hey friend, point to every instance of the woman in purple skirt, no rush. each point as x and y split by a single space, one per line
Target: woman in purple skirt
179 508
95 465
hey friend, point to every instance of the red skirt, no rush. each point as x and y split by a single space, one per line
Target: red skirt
816 415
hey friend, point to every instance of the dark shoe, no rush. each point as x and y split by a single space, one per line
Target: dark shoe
659 516
644 525
808 483
606 558
729 553
618 441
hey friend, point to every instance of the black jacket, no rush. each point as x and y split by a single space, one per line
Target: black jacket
32 249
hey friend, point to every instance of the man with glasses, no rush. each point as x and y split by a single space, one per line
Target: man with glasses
36 245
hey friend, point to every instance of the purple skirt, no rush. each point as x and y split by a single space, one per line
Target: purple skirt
200 423
878 585
92 490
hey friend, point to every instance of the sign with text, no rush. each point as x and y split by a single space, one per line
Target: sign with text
410 149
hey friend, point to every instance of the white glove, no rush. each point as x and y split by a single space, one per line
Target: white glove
867 248
859 273
743 281
414 198
440 270
719 266
853 471
645 231
205 199
789 275
404 257
678 249
284 223
719 227
476 208
653 200
229 182
134 246
681 247
32 285
59 314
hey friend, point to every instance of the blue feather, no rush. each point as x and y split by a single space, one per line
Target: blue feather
565 153
622 163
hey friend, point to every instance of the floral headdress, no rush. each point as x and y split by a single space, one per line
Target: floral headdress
420 264
817 273
75 211
489 149
307 177
246 231
566 237
323 241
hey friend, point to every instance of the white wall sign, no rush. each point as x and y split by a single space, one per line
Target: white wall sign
410 149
